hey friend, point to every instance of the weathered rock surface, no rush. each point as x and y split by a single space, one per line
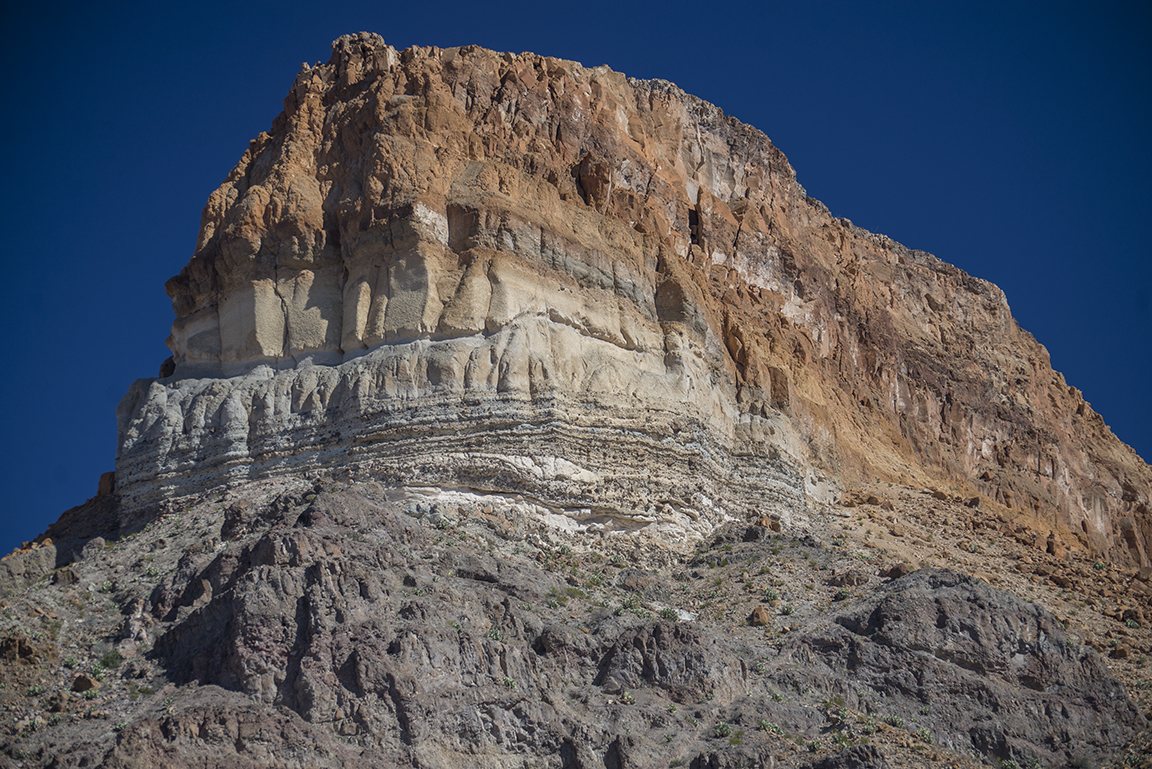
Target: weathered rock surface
999 673
515 273
316 626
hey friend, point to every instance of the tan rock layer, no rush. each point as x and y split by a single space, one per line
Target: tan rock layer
622 232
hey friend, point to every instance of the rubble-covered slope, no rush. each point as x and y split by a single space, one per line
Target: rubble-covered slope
325 623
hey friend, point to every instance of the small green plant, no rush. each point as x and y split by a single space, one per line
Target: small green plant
737 738
509 683
672 708
924 735
111 659
722 730
106 586
35 690
760 668
1098 566
842 594
924 711
54 719
777 697
893 720
627 698
770 594
787 609
1008 764
765 725
564 550
70 662
494 634
120 726
90 694
454 624
1131 623
669 614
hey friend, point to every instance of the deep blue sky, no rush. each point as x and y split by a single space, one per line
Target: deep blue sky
1011 139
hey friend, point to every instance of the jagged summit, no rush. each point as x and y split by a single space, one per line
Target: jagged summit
474 241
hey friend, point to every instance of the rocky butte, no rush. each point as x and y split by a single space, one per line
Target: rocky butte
523 414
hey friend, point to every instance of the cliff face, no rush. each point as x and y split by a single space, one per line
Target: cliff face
514 273
508 408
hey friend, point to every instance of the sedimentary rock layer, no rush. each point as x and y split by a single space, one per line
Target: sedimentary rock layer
516 272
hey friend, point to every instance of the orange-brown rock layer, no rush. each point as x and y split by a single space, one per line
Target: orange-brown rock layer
497 225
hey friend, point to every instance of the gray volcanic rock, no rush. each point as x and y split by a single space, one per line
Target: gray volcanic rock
327 624
997 674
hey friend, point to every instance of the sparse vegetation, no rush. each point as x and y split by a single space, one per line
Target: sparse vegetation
765 725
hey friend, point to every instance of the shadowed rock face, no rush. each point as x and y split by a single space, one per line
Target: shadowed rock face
345 624
998 673
515 273
360 636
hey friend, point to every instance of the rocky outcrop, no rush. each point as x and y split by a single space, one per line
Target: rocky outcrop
458 267
999 673
322 626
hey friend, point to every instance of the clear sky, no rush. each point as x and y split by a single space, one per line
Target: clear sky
1011 139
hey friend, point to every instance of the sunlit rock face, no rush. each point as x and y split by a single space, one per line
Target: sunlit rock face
516 274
